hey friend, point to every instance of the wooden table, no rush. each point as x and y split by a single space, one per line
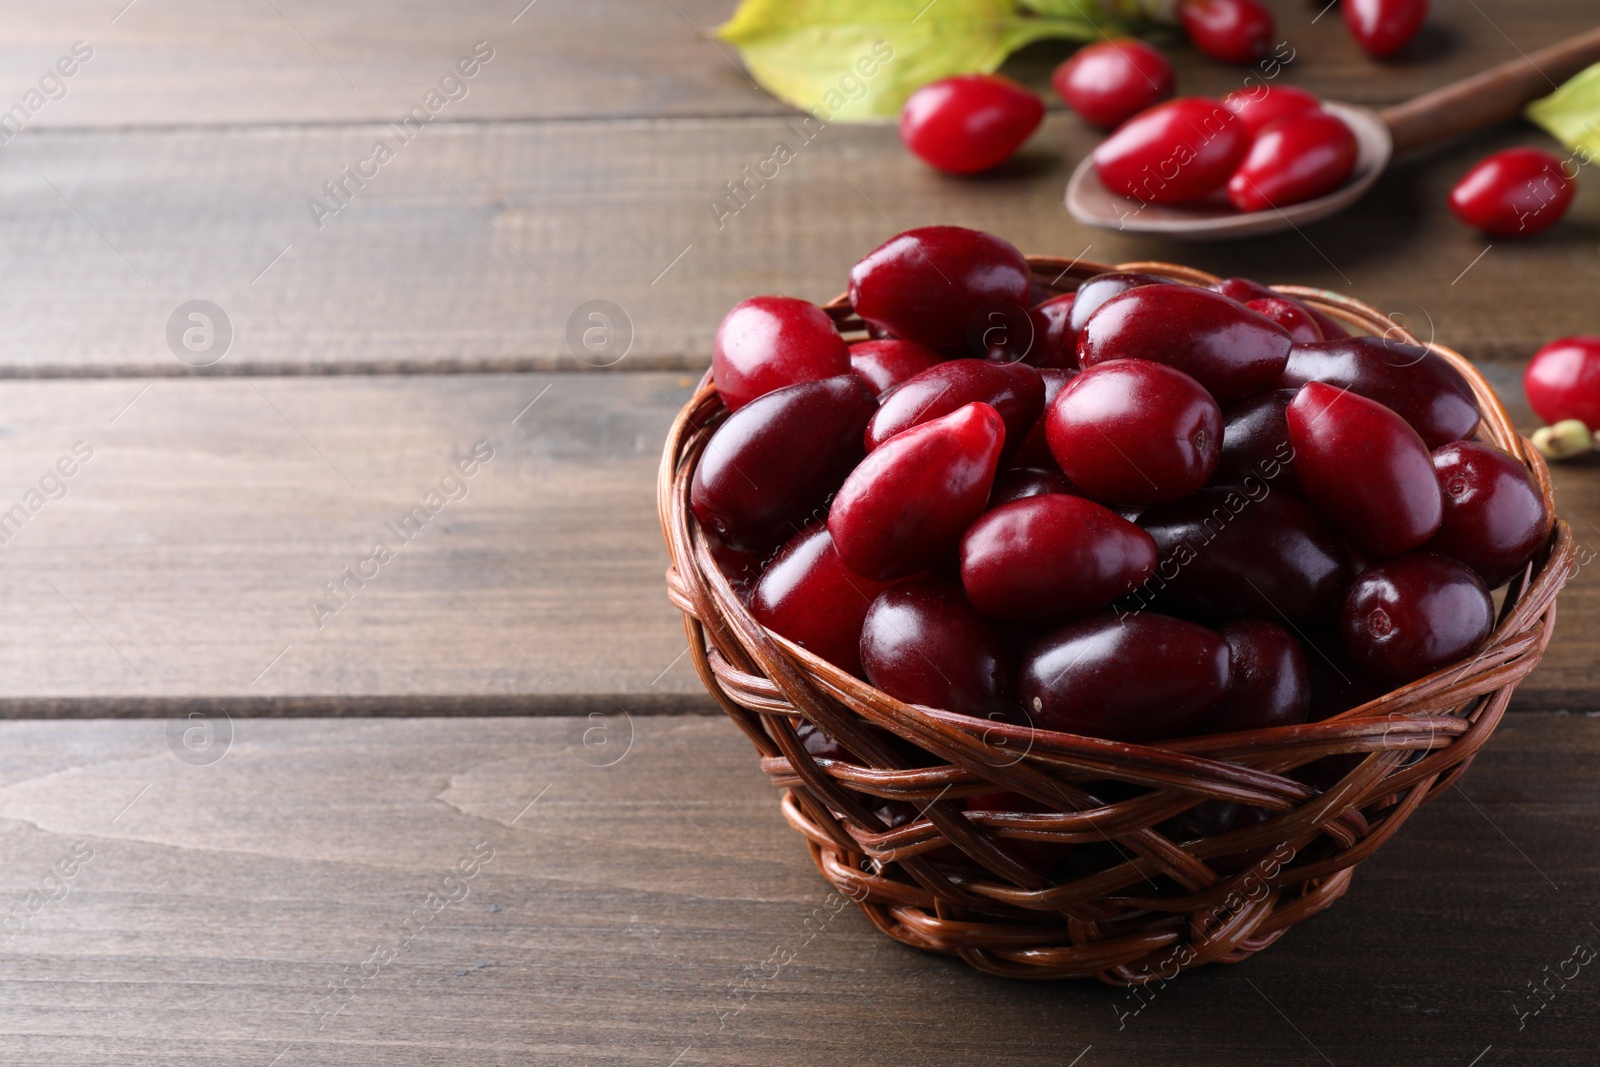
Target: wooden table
243 756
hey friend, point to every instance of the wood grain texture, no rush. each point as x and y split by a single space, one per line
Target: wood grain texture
637 912
185 557
473 248
231 62
180 570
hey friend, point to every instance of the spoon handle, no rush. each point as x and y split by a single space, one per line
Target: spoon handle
1496 95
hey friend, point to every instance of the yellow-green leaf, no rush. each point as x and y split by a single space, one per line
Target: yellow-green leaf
854 60
1572 112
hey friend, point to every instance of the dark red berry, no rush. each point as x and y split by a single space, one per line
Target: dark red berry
1110 81
808 595
1229 31
1514 193
1413 615
1269 681
1494 515
768 342
1055 342
1134 432
970 122
1291 315
885 364
1364 469
1020 483
904 509
1015 390
1255 442
1244 290
1245 551
1035 450
1093 292
1051 557
1143 677
1416 384
1220 343
929 285
1294 159
1174 153
1563 381
924 644
1383 27
768 469
741 568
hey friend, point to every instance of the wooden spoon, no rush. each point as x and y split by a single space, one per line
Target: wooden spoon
1497 95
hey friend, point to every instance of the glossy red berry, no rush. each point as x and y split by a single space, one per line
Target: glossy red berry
1055 342
1269 681
1143 677
1364 469
1110 81
1035 450
741 568
1051 557
1174 153
1020 483
1263 104
1134 432
1515 193
768 342
1383 27
768 469
1494 516
923 643
885 364
931 284
1015 390
808 595
904 509
1220 343
1244 290
1229 31
1255 443
970 122
1413 615
1093 292
1563 381
1291 315
1416 384
1294 159
1235 550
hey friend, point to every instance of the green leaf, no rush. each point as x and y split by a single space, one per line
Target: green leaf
1572 113
854 60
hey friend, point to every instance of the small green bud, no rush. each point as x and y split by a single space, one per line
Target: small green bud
1567 438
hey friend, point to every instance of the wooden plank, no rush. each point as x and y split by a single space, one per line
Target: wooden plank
633 914
180 570
185 557
296 62
474 248
233 62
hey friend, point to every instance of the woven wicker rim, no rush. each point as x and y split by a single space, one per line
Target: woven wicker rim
1167 907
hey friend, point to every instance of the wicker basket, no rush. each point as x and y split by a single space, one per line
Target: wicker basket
1169 905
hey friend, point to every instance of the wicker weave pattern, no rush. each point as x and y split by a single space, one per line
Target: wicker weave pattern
1167 907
